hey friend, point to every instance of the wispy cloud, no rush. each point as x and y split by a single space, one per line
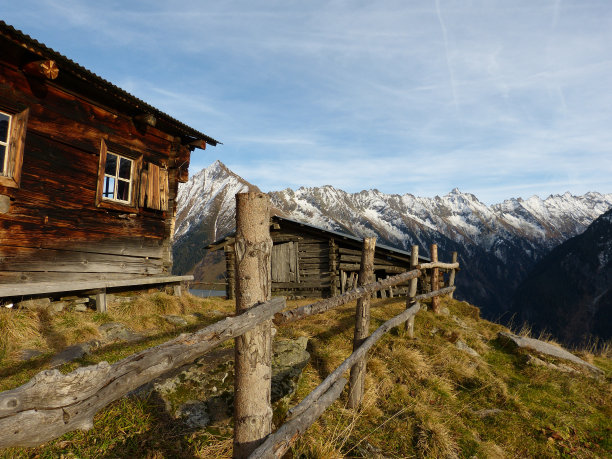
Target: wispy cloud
498 98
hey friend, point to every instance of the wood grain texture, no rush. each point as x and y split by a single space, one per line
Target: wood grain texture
253 349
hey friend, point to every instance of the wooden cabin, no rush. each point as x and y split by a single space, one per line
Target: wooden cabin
308 261
88 174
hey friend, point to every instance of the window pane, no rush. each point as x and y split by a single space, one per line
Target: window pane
123 190
111 164
109 187
4 123
2 152
125 168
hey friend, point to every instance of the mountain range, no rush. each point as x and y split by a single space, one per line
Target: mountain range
497 245
568 293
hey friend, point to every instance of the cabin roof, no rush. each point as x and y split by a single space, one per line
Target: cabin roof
227 239
101 88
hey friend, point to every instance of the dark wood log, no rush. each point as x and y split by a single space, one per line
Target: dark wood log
350 361
52 404
333 268
145 119
330 303
435 279
42 69
253 350
278 443
362 323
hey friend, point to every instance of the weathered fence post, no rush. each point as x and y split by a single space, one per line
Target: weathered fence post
435 279
362 323
253 350
414 261
451 278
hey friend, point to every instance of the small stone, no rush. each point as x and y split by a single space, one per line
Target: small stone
28 354
38 304
459 344
487 413
194 413
117 331
57 306
74 352
434 331
175 320
459 322
445 311
80 308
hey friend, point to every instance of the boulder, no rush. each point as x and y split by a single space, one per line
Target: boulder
115 331
535 345
175 320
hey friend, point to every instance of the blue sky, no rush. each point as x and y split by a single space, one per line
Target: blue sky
498 98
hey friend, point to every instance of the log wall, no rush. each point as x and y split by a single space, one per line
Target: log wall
54 229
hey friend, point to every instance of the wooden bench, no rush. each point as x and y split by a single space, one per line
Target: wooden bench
97 286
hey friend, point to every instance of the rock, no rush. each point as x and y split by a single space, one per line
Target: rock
210 380
532 360
459 344
57 306
487 413
74 352
288 360
81 308
28 354
113 331
38 304
175 320
445 311
434 331
194 413
542 347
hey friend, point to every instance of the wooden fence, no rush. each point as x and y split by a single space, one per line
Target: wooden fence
52 403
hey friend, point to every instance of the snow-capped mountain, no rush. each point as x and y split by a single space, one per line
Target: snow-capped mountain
497 244
206 211
569 292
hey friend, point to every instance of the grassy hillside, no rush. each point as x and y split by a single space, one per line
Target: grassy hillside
424 397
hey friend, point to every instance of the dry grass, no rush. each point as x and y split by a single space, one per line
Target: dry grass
422 396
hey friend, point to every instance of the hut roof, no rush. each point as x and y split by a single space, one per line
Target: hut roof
97 87
392 250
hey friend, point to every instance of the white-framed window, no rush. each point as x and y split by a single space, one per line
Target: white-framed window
118 178
5 138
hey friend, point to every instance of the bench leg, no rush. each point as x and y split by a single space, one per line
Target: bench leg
178 289
101 301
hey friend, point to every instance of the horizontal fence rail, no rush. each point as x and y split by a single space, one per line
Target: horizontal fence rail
51 403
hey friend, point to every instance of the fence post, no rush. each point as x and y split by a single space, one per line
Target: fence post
414 261
435 279
253 350
362 323
451 278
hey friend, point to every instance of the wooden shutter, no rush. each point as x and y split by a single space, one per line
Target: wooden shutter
154 188
163 189
101 168
19 123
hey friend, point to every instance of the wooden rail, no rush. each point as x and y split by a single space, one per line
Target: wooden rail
52 403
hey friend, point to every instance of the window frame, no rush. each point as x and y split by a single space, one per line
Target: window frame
10 173
120 152
6 144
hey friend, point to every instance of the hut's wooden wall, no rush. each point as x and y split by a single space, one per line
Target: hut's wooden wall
53 229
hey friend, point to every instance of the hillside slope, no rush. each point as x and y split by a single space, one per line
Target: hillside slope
454 391
569 292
